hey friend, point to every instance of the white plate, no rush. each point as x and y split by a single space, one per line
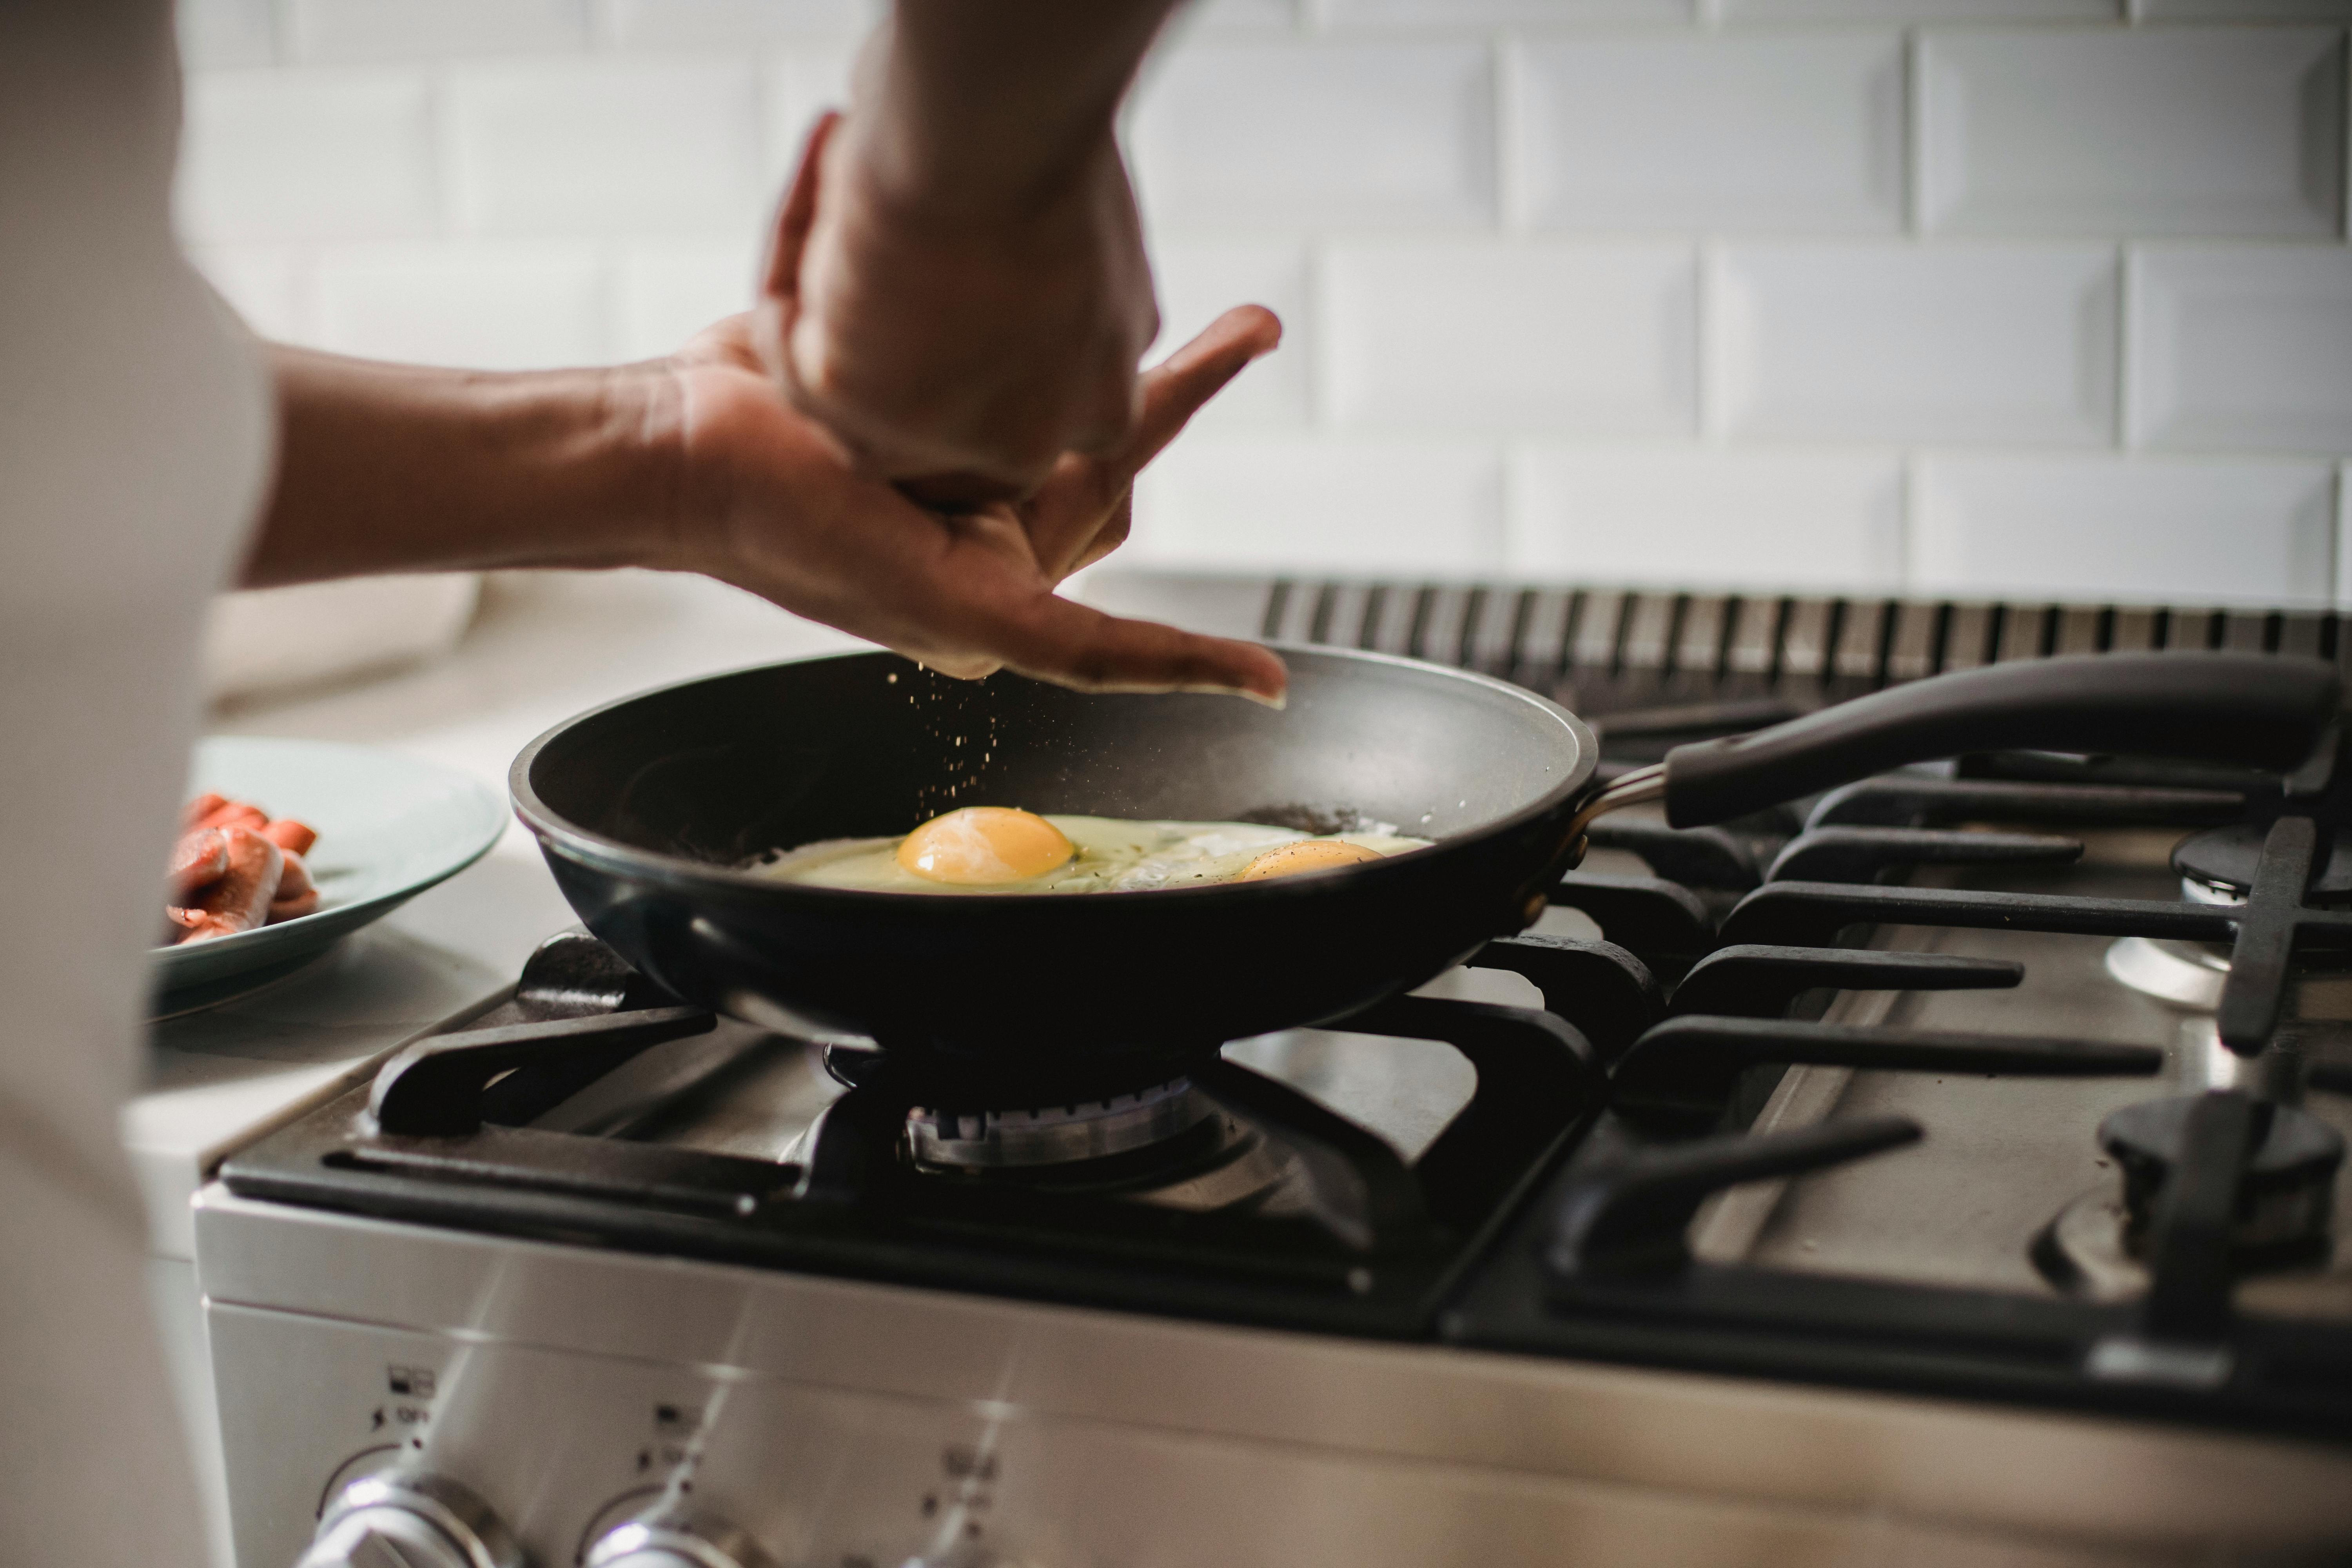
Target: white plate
389 827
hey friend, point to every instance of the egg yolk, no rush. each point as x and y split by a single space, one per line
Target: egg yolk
982 845
1307 855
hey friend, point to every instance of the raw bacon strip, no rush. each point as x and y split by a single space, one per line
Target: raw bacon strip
239 901
296 897
234 814
234 869
294 838
198 860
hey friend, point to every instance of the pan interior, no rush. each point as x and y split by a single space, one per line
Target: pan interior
725 770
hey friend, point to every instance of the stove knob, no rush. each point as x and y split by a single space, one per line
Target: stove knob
668 1539
403 1519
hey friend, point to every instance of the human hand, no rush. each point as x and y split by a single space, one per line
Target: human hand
770 500
959 351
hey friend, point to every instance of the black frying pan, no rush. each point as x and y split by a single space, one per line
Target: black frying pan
647 808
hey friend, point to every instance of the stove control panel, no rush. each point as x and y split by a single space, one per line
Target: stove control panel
667 1538
411 1519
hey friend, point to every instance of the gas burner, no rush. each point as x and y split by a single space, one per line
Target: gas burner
2185 973
2096 1245
1056 1134
2217 867
2284 1197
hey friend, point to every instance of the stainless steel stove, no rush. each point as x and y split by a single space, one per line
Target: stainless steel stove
1951 1172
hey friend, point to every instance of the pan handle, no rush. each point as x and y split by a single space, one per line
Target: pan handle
2255 711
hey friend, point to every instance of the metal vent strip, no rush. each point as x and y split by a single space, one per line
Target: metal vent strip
1550 637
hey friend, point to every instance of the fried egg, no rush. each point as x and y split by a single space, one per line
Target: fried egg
985 846
999 849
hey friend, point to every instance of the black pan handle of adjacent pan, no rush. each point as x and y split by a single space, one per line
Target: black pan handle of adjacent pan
2259 711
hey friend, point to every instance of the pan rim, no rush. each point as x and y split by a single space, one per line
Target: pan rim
559 835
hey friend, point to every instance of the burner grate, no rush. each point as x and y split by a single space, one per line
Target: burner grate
1350 1237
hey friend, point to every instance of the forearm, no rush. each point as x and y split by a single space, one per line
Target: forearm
980 107
386 467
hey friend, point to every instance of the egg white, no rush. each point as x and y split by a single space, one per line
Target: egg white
1114 856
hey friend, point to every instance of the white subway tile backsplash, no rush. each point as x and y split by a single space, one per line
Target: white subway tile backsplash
800 86
2156 131
705 24
1920 10
664 294
2160 530
1757 131
265 284
1419 507
1551 338
1688 517
2244 10
218 32
606 147
516 306
412 29
1293 135
269 156
1667 290
1457 13
1908 343
1199 280
1242 15
2242 347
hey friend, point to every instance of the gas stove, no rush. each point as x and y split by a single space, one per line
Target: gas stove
1949 1170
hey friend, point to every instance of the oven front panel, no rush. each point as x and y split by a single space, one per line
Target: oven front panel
563 1445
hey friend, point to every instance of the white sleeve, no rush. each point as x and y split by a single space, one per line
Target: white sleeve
134 448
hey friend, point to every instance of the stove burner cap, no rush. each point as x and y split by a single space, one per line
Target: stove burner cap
2186 974
2285 1197
2221 861
1056 1135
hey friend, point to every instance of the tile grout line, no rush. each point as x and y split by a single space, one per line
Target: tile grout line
1909 511
442 151
2124 436
2343 540
1316 309
1510 163
1707 342
1914 134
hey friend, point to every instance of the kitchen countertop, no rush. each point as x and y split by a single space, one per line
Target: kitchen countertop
544 647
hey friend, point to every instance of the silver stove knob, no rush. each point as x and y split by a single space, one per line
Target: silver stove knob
667 1538
404 1519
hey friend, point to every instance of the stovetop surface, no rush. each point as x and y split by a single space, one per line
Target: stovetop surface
1817 1097
2004 1153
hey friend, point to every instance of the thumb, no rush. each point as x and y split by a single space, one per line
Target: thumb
781 279
778 310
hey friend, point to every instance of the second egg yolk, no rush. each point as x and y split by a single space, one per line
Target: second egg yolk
1307 855
983 844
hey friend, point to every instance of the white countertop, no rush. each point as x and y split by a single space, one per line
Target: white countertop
545 646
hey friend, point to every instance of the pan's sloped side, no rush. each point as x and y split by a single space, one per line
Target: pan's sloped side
649 808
